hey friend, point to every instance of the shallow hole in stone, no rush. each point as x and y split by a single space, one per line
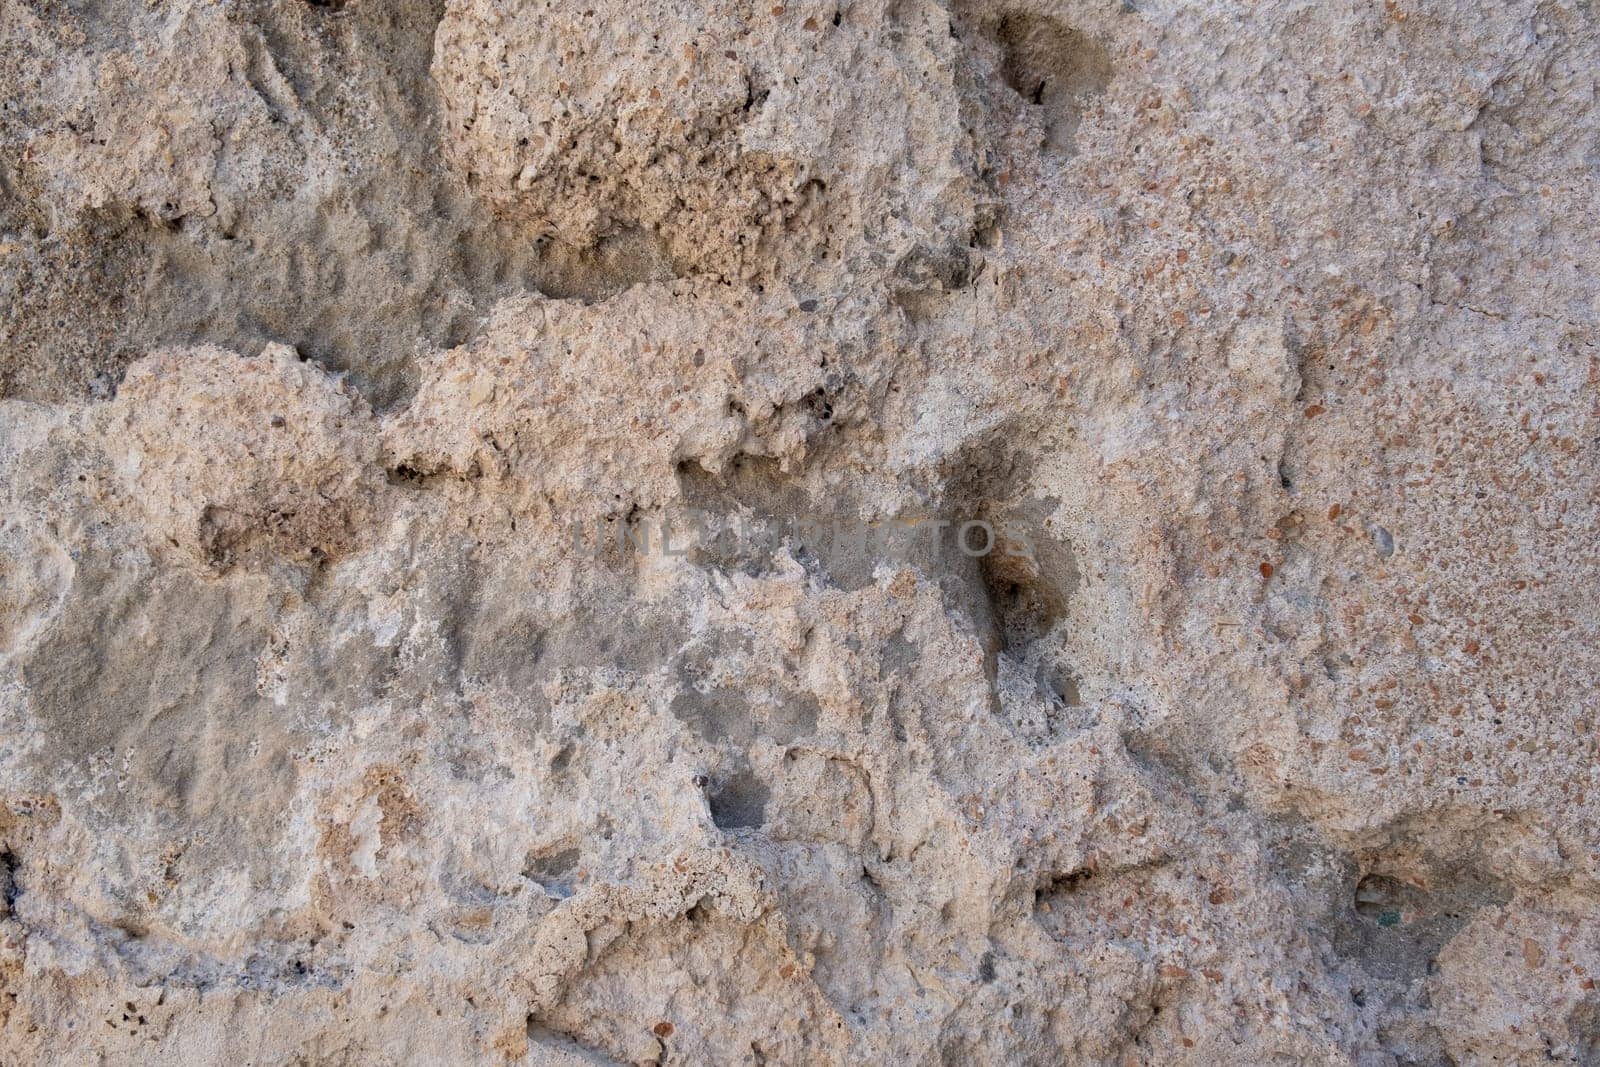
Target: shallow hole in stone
1053 67
740 803
553 871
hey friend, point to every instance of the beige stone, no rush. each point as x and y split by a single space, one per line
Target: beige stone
1264 335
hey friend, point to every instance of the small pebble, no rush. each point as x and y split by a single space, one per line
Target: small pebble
1383 540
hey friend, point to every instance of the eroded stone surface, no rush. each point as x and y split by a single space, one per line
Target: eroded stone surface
331 731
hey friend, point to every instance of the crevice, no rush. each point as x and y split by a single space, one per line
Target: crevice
10 887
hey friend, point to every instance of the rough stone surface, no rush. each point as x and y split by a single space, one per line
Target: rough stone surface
331 730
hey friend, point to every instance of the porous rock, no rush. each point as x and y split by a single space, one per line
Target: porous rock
482 570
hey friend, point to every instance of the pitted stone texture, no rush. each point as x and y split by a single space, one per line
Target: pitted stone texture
353 709
741 136
233 458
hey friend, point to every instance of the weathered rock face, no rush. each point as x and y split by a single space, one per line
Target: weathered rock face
357 357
